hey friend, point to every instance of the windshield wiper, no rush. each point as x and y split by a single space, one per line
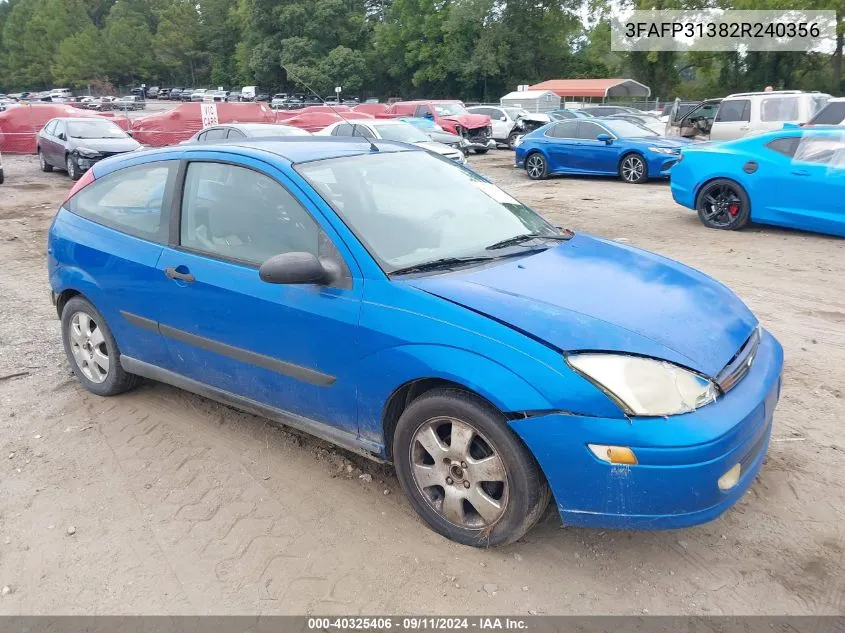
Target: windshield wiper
439 264
525 237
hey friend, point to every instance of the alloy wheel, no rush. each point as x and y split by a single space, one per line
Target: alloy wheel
535 165
459 472
633 168
722 205
43 162
88 346
71 168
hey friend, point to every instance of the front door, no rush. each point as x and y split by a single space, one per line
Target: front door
291 347
593 155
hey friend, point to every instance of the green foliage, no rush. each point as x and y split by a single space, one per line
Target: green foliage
472 49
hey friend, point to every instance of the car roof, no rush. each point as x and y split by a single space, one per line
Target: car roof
291 149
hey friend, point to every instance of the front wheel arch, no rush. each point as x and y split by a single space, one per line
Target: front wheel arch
639 155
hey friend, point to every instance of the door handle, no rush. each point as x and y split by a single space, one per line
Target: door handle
800 172
172 273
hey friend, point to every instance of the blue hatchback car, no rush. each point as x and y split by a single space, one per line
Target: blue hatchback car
600 147
496 360
794 177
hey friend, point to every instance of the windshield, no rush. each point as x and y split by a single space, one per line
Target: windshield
388 201
449 109
626 129
515 112
95 129
406 133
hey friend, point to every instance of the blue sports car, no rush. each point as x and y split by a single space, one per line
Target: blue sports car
597 147
496 360
794 177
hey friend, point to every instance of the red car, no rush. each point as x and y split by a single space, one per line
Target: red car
452 116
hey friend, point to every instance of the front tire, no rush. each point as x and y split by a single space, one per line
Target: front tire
481 151
45 166
512 139
72 168
536 166
92 351
633 169
465 472
723 204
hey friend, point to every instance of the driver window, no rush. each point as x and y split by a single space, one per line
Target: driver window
423 111
236 213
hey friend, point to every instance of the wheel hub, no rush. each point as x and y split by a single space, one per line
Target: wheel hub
459 473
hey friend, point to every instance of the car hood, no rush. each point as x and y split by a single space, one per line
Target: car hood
438 148
591 294
469 121
106 144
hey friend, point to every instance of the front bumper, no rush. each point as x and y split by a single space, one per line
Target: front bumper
680 459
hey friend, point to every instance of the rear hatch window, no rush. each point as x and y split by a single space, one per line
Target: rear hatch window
832 114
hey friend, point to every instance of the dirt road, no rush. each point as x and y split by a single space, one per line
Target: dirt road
163 502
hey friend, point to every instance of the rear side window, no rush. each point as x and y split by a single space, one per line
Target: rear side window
215 134
564 129
785 146
832 114
779 109
733 111
130 200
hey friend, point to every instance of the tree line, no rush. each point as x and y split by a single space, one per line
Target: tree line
470 49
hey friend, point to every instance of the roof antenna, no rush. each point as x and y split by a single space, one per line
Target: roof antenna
373 146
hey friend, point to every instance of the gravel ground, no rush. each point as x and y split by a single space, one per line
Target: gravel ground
161 502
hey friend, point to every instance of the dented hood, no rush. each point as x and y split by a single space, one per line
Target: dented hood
591 294
468 121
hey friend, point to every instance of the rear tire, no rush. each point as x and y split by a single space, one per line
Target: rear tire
92 351
465 472
536 166
723 204
45 166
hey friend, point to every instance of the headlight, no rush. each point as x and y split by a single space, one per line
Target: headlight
645 386
88 153
663 150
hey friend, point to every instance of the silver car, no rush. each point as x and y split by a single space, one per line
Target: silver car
392 130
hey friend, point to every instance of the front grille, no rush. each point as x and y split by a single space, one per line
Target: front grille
740 364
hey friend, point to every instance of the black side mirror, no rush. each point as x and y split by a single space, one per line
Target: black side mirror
298 268
62 136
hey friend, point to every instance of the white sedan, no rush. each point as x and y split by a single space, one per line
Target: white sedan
244 130
392 130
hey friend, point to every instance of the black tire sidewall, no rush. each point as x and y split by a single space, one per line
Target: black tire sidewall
743 217
527 489
72 173
545 166
481 151
46 167
117 379
643 178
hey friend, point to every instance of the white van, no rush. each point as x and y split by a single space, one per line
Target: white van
248 93
747 113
